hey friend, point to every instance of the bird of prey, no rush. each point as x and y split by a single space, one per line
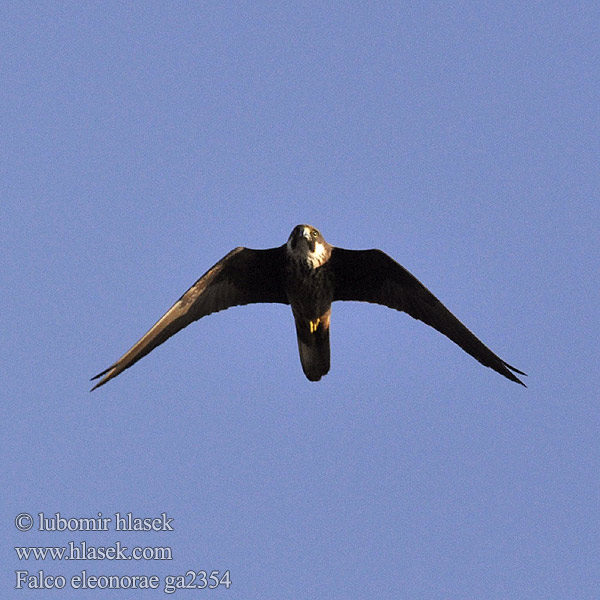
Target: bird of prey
309 274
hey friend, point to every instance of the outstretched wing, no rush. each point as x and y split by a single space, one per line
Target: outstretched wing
372 276
243 276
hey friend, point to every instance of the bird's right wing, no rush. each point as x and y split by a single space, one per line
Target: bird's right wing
373 276
243 276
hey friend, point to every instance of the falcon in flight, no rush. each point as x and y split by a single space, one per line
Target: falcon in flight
309 274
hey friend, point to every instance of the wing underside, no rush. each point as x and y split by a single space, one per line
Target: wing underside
244 276
372 276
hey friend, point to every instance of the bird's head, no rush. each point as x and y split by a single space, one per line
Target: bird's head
306 244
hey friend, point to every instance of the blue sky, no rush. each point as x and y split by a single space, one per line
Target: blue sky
143 141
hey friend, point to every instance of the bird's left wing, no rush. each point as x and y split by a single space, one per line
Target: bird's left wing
243 276
373 276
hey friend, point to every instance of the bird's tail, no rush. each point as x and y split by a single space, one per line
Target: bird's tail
313 345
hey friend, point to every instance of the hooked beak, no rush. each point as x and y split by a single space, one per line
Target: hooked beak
302 235
306 237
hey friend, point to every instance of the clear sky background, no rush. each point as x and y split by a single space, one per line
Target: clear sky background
143 141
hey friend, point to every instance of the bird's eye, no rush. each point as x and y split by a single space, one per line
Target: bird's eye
315 233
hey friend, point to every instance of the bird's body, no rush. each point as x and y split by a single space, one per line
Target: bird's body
310 289
309 274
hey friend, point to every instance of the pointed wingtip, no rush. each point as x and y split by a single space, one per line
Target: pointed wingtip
510 373
107 377
101 382
512 376
98 384
516 370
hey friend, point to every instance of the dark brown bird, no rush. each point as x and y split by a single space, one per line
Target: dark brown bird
309 274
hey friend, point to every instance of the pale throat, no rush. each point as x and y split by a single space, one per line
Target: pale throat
312 259
318 257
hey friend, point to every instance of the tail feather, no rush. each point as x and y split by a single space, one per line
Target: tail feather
314 359
313 347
